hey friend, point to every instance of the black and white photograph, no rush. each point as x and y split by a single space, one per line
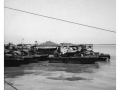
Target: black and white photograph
59 45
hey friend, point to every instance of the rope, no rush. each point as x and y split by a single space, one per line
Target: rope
11 85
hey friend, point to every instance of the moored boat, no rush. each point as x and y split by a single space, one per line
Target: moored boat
80 54
102 56
29 59
10 60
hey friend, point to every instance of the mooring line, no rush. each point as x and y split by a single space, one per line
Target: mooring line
11 85
60 19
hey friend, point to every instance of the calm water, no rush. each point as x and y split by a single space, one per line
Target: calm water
50 76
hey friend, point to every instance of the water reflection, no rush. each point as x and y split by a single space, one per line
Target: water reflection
68 78
74 68
13 72
38 68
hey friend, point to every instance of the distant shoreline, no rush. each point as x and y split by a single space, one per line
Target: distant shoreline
78 44
104 44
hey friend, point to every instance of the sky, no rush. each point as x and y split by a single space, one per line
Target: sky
97 13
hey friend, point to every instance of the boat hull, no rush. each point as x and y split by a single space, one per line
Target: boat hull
12 62
104 57
74 60
40 57
29 59
43 58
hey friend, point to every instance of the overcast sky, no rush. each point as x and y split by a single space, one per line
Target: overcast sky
97 13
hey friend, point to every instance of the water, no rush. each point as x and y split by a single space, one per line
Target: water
58 76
